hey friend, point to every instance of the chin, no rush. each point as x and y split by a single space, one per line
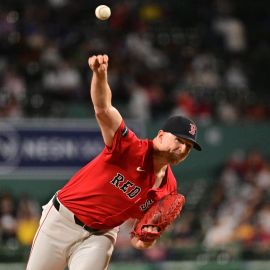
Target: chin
178 160
172 163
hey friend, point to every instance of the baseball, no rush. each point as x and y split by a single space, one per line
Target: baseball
103 12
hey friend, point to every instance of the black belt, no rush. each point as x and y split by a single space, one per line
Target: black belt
56 204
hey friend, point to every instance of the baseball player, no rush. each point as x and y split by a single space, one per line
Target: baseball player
79 226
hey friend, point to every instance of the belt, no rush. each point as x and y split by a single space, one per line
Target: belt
57 206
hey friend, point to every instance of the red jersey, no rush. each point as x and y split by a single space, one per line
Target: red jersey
117 184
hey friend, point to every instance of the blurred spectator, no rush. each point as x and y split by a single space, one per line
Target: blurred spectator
12 95
185 104
244 232
50 56
27 221
63 80
141 48
58 3
264 218
139 105
204 73
220 234
151 11
263 177
229 27
227 112
235 78
8 222
184 233
262 240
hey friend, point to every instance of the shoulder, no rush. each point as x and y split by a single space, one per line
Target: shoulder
125 139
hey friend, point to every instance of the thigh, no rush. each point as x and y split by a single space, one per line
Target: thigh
46 252
93 253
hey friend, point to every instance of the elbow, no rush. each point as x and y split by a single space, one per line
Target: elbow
101 112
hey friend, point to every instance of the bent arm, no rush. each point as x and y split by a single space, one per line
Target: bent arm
139 244
108 117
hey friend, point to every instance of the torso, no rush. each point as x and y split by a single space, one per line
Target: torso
119 184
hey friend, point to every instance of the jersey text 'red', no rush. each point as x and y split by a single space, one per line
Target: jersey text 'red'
117 184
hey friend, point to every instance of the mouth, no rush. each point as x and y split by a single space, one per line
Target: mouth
178 156
178 153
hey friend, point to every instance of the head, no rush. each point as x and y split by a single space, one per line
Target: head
176 139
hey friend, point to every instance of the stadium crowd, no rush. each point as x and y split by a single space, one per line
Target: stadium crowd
206 59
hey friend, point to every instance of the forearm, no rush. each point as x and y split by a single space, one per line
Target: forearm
100 92
108 117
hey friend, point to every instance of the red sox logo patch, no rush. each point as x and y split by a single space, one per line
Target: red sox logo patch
193 129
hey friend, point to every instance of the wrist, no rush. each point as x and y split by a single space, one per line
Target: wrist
139 244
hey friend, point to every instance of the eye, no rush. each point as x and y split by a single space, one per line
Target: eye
180 140
188 144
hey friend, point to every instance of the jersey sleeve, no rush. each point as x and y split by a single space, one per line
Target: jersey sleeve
124 140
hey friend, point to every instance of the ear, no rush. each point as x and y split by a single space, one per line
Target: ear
160 135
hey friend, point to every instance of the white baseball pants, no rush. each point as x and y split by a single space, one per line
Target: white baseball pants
60 242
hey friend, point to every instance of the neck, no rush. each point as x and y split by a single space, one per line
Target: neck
158 167
159 162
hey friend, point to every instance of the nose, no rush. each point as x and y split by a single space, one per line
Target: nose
182 147
185 147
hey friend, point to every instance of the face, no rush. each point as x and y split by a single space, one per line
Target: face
175 149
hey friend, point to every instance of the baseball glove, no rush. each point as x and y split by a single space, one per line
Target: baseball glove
161 214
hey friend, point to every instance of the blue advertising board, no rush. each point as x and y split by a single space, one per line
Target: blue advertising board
44 148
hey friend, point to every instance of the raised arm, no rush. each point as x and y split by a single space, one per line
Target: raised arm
108 117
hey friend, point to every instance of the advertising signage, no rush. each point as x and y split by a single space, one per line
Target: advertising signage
43 148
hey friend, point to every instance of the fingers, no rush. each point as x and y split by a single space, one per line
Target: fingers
103 59
150 229
96 61
106 58
92 61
